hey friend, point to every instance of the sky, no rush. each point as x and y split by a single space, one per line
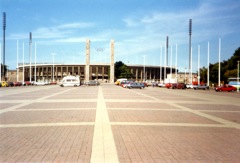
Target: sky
138 27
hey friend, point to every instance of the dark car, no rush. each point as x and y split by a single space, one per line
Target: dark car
228 88
135 85
17 83
178 86
10 84
201 86
92 82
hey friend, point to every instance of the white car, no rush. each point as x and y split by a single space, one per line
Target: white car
161 85
189 86
39 83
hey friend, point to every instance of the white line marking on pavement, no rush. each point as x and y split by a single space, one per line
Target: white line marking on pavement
32 101
46 124
168 124
216 119
103 149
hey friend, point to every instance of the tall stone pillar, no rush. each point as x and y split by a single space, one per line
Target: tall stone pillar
112 61
87 66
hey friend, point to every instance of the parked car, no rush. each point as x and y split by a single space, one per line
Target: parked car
28 83
189 86
4 84
92 82
118 82
178 86
39 83
228 88
125 83
161 85
53 83
201 86
135 85
17 84
10 84
168 85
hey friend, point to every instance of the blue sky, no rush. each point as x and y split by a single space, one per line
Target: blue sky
139 28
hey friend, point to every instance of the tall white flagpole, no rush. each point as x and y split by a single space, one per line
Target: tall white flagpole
17 63
176 64
35 69
161 64
165 62
208 67
198 64
23 65
219 65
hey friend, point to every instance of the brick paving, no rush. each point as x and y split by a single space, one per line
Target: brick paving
112 124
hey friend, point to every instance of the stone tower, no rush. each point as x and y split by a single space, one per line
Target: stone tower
112 61
87 66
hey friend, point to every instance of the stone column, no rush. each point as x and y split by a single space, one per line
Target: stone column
87 70
112 61
136 74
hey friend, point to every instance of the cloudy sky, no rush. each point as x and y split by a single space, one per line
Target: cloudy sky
138 27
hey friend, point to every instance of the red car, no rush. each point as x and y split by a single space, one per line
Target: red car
28 83
228 88
168 85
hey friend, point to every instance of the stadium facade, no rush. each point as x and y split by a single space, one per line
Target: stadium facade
89 71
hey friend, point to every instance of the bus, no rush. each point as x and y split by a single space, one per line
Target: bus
234 82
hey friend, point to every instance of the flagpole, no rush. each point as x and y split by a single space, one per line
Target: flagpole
176 64
35 69
208 67
198 64
23 65
161 65
17 63
219 65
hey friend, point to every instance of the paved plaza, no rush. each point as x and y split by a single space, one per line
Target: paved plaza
110 124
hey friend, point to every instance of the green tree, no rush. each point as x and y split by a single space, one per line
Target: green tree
228 68
122 71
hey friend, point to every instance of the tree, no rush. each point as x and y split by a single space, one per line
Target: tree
122 71
5 70
228 68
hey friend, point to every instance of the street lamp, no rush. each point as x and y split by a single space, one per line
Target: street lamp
190 49
30 56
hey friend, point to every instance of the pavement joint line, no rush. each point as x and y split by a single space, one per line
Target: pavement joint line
169 124
152 109
53 109
220 111
46 124
103 147
196 112
214 118
30 102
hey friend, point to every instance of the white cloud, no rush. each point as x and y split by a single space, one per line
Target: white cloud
60 31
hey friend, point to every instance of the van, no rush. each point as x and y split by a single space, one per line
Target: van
70 81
